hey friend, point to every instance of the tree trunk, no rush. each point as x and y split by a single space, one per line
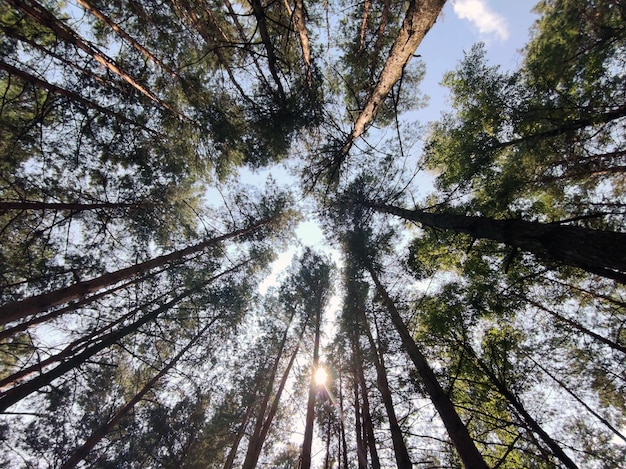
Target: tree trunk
457 430
38 82
91 8
564 386
259 14
574 325
17 393
40 14
299 24
358 429
101 432
531 423
342 427
73 207
230 460
86 341
40 303
310 409
420 17
368 428
264 422
599 252
403 460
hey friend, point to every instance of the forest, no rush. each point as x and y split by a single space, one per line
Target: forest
476 263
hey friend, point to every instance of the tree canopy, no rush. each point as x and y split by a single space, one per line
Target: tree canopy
479 324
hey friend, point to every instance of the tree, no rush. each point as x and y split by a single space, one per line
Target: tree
555 241
479 325
358 243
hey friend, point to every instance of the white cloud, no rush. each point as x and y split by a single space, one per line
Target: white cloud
478 13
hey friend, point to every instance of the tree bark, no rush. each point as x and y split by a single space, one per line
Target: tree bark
40 303
368 427
85 341
457 430
420 17
91 8
564 386
358 428
73 207
38 82
230 460
598 252
259 14
264 422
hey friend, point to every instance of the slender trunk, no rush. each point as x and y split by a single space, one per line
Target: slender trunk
73 207
327 458
366 11
259 14
342 425
85 341
299 24
11 331
599 252
358 429
530 422
101 432
310 409
264 422
246 40
40 14
403 459
380 32
457 430
255 442
192 18
40 303
230 460
17 393
274 407
420 17
91 8
592 294
568 127
564 386
573 324
69 94
71 349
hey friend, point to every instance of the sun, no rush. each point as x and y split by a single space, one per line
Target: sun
321 376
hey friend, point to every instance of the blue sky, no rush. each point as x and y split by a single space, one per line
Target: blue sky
503 25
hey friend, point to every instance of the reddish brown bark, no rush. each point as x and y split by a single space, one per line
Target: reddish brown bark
420 17
40 14
40 303
91 8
